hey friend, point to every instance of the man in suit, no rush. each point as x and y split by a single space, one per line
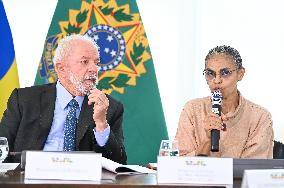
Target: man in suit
69 115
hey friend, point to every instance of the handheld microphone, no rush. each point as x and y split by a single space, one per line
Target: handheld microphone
94 86
89 91
216 100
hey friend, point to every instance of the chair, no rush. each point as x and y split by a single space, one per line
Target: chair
278 150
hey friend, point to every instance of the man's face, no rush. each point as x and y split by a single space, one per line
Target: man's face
81 71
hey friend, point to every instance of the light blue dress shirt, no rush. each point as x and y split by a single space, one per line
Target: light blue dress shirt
55 138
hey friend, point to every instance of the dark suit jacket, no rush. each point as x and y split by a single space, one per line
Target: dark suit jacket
27 122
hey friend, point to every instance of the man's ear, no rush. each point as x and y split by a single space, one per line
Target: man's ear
241 73
59 67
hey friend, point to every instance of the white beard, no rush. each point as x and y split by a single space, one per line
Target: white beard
79 83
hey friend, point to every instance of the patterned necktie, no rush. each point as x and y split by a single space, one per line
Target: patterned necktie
70 127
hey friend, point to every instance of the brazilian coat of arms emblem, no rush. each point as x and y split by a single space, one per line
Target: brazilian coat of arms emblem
120 35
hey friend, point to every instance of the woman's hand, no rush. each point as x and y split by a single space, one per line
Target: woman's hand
212 121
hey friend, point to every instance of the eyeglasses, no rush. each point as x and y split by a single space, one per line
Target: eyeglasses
224 73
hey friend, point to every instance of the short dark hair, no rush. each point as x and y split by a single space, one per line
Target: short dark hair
227 50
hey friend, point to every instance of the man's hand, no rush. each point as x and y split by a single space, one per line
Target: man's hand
101 103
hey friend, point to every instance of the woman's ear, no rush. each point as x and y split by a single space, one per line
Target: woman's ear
241 73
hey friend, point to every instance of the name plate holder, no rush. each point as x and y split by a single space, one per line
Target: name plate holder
42 165
263 178
195 170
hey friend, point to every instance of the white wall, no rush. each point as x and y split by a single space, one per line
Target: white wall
29 21
180 34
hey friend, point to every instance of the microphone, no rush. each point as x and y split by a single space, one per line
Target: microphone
89 91
94 86
216 100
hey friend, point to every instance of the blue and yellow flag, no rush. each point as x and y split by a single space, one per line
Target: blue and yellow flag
8 68
127 69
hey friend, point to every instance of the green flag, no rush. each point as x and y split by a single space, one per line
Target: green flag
126 68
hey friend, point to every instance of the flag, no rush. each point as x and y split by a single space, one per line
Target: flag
8 68
126 68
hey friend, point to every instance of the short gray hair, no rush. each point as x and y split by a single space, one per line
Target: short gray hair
227 50
64 46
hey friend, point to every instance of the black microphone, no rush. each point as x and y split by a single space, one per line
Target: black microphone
216 100
94 86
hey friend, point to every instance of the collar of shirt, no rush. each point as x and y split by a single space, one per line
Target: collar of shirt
64 97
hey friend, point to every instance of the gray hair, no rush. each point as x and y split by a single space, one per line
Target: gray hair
64 46
227 50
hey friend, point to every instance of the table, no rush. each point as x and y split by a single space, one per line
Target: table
15 179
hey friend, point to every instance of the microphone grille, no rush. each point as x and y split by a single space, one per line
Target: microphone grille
216 97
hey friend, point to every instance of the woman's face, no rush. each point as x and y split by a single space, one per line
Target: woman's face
221 73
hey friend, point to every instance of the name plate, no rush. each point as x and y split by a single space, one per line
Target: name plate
195 170
263 178
63 165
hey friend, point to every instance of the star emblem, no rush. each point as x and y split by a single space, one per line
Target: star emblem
130 53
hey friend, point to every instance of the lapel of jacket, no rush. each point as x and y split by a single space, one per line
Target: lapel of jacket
85 120
47 105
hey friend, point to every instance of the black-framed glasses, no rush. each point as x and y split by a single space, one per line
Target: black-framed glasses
224 73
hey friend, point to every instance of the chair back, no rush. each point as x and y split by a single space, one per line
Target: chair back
278 150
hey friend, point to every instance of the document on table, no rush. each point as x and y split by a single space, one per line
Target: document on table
4 167
124 169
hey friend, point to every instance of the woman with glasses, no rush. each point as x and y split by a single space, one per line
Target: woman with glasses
245 127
